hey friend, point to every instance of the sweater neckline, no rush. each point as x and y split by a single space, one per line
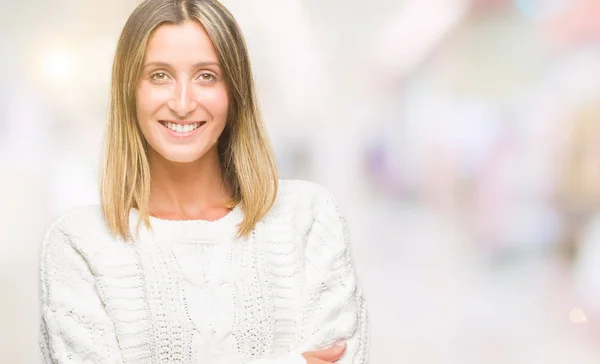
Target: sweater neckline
224 228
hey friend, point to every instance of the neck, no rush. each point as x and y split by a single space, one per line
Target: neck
181 191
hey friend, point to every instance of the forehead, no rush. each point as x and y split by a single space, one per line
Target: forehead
174 43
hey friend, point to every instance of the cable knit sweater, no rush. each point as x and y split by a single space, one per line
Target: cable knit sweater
192 292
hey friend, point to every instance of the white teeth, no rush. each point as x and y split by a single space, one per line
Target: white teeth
182 128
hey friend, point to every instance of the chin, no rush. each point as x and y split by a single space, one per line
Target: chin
182 158
185 154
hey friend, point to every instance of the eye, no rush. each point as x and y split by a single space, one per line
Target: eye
207 77
159 77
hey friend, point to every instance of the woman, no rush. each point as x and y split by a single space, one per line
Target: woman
198 253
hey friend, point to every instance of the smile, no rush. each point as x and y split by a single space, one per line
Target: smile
181 129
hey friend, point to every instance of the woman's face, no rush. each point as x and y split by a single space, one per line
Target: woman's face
181 97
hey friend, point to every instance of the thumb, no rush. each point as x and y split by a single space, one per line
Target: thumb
331 354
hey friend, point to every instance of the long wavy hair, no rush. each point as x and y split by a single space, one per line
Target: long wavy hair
247 160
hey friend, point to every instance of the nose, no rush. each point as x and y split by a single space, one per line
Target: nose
183 101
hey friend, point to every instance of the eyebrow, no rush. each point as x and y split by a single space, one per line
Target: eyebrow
197 65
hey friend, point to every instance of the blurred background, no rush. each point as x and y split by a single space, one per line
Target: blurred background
461 138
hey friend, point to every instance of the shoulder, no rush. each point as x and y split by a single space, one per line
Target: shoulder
78 241
73 228
79 221
302 193
300 204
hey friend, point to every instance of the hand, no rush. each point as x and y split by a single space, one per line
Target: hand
325 356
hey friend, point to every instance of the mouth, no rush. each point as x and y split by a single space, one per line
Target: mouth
182 129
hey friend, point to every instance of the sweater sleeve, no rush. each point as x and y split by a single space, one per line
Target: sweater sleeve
334 306
75 327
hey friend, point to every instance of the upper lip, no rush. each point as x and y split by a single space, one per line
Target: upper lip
183 122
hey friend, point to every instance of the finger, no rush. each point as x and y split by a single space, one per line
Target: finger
313 360
330 354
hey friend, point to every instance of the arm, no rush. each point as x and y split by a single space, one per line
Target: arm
75 327
334 305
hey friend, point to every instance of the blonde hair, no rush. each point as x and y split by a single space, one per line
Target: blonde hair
247 161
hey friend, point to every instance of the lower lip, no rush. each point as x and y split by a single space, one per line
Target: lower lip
182 135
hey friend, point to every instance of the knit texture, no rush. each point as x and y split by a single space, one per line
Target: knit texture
192 292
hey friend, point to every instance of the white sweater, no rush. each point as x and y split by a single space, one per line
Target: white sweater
191 292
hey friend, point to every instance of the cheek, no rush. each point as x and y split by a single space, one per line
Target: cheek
147 102
141 104
219 103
